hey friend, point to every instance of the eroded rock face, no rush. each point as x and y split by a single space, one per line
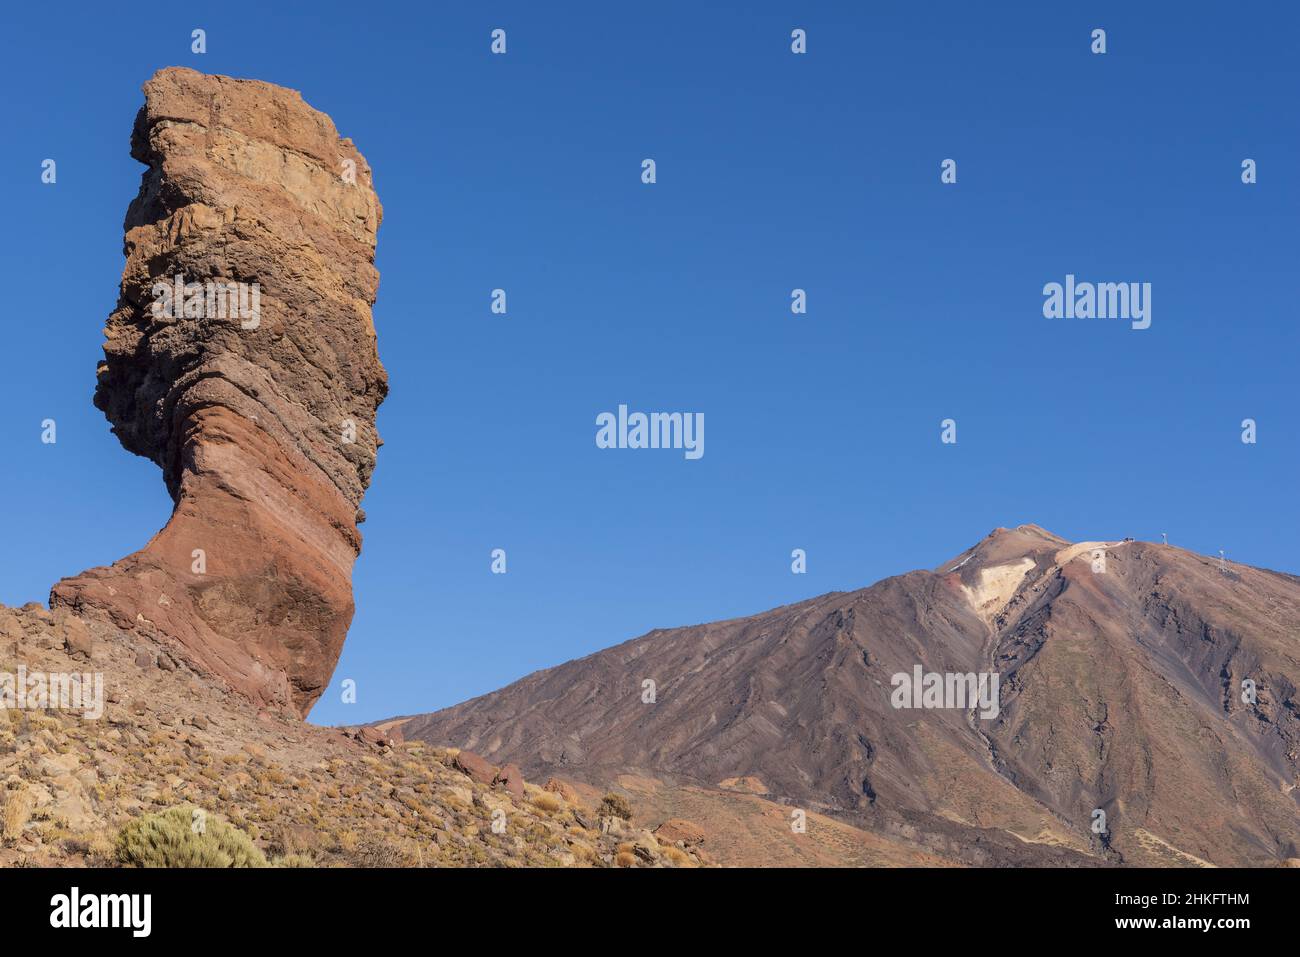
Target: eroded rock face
241 358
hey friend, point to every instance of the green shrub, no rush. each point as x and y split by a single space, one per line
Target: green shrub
170 839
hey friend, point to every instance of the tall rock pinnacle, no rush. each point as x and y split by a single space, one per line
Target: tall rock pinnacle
241 358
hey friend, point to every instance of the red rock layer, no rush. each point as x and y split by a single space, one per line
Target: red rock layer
262 419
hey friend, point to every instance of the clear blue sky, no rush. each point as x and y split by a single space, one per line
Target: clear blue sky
775 171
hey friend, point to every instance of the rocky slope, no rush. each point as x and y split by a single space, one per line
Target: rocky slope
1121 686
241 358
169 736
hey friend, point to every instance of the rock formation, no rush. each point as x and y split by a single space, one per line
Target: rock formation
241 358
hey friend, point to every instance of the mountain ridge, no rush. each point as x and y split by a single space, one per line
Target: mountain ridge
1118 663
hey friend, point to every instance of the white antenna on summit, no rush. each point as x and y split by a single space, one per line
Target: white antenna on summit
1223 564
1165 537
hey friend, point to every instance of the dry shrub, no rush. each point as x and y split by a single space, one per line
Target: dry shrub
16 813
548 803
290 840
378 853
615 805
678 857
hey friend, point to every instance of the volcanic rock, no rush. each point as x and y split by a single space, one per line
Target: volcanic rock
512 779
389 731
676 829
241 358
76 638
646 850
479 770
10 628
371 736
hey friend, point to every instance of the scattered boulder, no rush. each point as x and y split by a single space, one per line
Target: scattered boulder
76 638
35 609
467 762
512 779
10 628
678 830
614 826
384 737
375 737
647 850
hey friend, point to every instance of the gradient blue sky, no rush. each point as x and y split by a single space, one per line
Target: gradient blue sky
775 171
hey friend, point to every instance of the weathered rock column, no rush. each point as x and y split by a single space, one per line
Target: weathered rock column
241 358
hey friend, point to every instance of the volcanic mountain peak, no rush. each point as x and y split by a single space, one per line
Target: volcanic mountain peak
992 571
1004 546
1120 666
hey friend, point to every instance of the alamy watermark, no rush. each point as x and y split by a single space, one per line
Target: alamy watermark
1101 300
948 690
130 911
654 430
56 690
177 299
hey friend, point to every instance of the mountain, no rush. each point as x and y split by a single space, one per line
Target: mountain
1146 710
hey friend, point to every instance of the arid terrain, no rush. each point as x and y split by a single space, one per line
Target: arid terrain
306 796
1136 703
771 741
